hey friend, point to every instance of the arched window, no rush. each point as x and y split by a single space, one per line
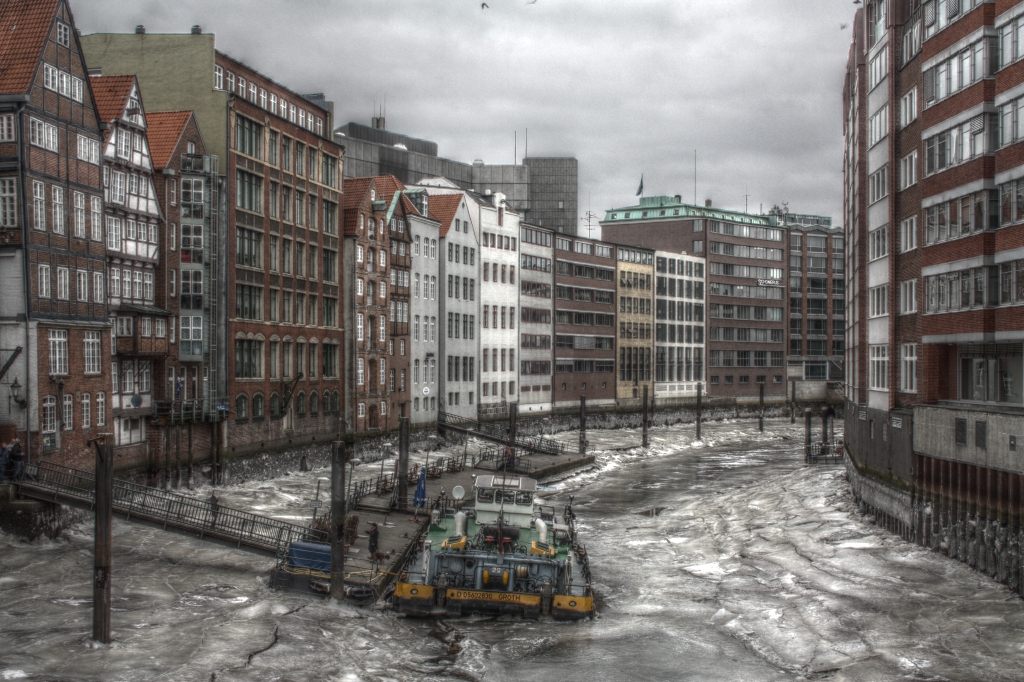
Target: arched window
314 407
242 406
49 414
257 406
335 402
275 405
300 403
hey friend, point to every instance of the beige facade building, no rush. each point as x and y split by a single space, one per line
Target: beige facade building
635 268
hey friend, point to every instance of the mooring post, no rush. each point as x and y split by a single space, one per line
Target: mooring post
583 425
699 385
104 539
190 460
513 417
824 424
792 401
403 463
645 417
760 402
807 434
338 461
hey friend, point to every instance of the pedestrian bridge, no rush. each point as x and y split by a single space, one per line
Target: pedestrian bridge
168 511
497 432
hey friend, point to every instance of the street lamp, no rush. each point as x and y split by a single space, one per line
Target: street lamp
16 394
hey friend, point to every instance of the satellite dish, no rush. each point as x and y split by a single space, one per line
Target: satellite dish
458 492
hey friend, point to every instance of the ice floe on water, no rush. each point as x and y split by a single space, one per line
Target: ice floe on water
752 567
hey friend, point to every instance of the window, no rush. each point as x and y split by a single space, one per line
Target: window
878 243
878 299
877 68
879 379
82 285
38 205
97 288
908 368
8 203
49 414
44 281
908 297
908 170
965 141
248 359
88 149
248 191
878 125
249 246
878 187
42 134
63 283
908 234
908 108
58 351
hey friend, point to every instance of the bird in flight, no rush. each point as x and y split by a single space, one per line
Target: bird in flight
484 5
532 2
842 26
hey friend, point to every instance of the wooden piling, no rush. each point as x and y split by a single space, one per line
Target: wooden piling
104 539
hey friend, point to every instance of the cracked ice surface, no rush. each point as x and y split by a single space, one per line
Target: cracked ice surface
757 569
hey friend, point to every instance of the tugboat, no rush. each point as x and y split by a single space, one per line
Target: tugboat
505 554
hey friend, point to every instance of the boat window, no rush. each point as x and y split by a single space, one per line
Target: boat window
508 496
524 498
485 495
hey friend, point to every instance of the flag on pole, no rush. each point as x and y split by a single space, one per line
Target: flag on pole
420 498
640 189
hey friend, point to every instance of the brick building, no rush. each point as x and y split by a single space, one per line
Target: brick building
935 250
375 214
278 324
186 182
585 312
746 282
635 276
56 333
817 307
679 289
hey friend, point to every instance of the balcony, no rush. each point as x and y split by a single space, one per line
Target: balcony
136 344
399 328
400 292
398 261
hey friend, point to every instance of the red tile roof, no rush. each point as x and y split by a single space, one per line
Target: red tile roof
24 27
164 131
111 95
443 208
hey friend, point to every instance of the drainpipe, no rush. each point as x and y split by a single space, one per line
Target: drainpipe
28 281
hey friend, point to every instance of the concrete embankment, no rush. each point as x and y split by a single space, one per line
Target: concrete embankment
989 544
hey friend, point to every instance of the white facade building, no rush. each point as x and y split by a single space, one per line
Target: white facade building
424 314
536 342
459 309
679 340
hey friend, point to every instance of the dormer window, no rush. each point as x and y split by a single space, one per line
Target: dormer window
191 147
373 195
63 34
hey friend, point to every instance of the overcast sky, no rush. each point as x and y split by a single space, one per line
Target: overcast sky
626 86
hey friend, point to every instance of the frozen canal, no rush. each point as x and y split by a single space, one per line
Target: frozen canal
757 569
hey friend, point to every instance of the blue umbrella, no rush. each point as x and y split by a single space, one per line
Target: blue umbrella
420 499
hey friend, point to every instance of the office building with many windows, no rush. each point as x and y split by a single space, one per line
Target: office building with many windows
679 291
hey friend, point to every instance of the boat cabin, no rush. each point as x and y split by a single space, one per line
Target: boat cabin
510 497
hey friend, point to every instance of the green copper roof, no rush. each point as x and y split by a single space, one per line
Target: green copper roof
671 207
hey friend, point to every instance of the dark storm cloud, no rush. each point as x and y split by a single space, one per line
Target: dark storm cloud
628 87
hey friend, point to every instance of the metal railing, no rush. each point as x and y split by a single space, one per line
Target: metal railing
211 521
494 455
498 432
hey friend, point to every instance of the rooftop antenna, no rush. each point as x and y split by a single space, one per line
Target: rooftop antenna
526 154
515 148
694 177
